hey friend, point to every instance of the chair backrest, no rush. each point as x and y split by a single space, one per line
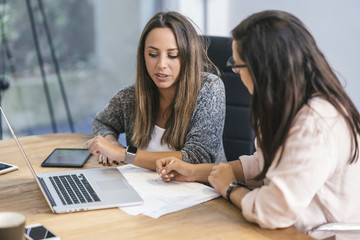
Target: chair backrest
238 138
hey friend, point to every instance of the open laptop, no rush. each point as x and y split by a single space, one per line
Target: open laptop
81 190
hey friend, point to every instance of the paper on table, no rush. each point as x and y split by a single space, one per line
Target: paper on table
161 198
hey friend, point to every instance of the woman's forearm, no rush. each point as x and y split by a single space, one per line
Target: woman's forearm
147 160
201 172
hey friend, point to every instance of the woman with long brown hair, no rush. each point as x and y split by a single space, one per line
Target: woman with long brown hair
306 167
176 107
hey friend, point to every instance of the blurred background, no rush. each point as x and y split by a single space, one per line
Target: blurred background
61 61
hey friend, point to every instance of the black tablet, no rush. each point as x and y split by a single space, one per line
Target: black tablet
67 157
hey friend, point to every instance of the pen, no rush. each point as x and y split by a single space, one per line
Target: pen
159 174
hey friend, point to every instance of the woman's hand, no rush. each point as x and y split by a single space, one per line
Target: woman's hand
109 151
174 169
220 177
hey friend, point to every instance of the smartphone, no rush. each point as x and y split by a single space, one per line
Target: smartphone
6 167
37 231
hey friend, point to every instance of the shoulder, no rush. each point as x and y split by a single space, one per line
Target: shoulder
127 91
318 108
212 84
212 94
319 116
126 94
210 79
124 99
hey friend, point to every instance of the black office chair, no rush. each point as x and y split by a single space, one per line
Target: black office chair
238 138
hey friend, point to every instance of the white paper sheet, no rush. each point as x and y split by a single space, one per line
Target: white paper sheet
161 198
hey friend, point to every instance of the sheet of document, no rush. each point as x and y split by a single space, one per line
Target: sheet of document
161 198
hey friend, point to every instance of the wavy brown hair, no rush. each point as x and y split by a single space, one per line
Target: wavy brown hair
193 60
287 69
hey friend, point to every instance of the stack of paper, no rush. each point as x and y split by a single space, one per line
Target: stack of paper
161 198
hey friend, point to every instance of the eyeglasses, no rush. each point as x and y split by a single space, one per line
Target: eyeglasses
230 64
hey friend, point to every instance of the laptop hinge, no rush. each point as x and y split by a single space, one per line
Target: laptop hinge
47 192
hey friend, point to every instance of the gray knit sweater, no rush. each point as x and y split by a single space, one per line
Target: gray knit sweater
203 142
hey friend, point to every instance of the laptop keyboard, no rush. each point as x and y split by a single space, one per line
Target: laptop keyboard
74 189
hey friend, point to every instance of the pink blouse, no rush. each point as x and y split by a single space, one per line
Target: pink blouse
314 183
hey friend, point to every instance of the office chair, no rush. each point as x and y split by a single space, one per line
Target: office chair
238 137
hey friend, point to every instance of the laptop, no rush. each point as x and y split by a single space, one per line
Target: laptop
81 190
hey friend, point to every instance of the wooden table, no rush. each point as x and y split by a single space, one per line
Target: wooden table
215 219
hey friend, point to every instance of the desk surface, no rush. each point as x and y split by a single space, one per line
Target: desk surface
215 219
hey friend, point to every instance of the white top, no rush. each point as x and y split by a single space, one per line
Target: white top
155 141
314 183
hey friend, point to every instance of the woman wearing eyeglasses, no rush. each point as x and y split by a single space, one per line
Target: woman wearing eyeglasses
175 108
306 166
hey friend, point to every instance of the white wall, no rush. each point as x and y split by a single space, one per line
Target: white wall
193 9
335 24
217 15
117 25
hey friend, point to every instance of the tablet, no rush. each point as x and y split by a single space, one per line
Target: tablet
67 157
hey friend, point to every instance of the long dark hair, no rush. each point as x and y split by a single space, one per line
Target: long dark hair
287 69
193 60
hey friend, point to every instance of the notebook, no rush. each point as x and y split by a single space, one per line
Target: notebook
81 190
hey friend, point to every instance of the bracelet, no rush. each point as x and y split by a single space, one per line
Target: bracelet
234 184
241 184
